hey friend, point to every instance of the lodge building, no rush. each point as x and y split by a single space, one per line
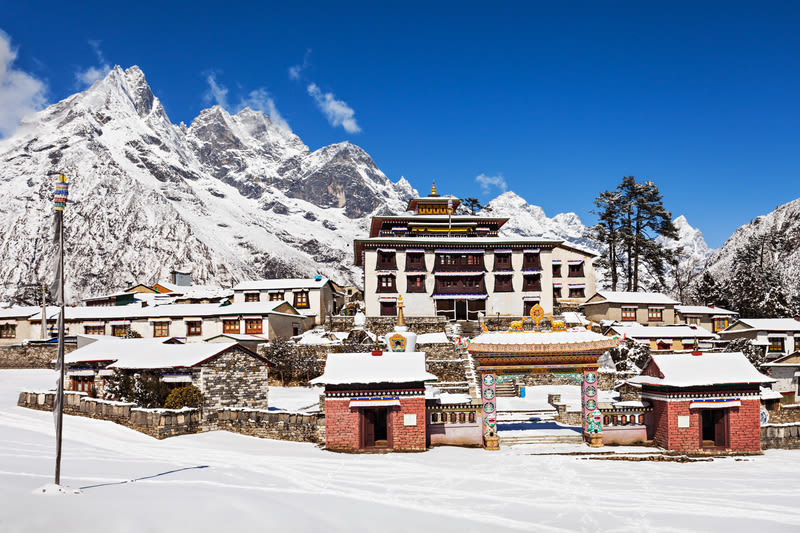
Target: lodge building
457 266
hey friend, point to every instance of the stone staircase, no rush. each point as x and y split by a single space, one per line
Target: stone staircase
506 390
540 439
549 436
469 328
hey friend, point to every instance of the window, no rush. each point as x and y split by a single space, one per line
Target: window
386 261
575 269
119 330
775 344
386 284
527 305
194 328
502 261
160 329
503 284
416 284
82 383
556 270
530 261
628 313
655 314
415 262
252 297
556 292
577 292
295 329
230 326
388 308
94 330
301 299
720 324
532 282
8 331
693 321
275 296
253 325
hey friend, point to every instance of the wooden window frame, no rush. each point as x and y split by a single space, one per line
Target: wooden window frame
503 283
276 296
194 328
386 305
386 260
717 321
531 261
532 283
655 314
228 327
577 292
556 270
415 283
575 271
94 330
628 314
387 283
252 297
776 344
502 262
413 265
160 329
117 329
301 300
8 331
253 326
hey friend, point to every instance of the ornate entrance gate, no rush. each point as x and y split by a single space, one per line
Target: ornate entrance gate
554 351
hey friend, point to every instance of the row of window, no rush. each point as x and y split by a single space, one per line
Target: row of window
654 314
416 283
415 262
300 298
778 345
194 328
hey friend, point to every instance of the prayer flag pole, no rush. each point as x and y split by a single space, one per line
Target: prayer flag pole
60 202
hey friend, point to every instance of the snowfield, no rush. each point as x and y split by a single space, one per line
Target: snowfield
225 482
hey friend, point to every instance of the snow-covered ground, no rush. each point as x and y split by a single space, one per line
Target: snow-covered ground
225 482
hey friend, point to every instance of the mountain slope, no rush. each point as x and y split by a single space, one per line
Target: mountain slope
231 196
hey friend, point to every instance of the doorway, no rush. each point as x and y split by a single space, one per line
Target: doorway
714 428
461 309
375 428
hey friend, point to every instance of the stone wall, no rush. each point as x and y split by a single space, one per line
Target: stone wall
269 425
605 380
31 355
158 423
382 325
234 378
782 436
785 414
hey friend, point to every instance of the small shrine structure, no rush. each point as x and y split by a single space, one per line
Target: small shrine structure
375 401
516 353
704 401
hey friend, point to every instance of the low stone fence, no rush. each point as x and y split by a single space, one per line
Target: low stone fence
158 423
780 436
269 424
785 414
382 325
31 355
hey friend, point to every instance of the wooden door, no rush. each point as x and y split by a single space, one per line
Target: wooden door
368 428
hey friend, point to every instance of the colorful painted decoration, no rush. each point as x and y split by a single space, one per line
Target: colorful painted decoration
397 343
591 390
591 404
488 407
488 379
591 377
488 393
61 194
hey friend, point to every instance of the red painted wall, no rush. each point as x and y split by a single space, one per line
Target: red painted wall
343 425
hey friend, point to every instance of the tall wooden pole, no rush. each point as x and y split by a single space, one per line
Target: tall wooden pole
60 201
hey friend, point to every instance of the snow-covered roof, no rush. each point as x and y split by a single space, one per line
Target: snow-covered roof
282 284
433 338
147 353
239 337
769 394
687 370
702 310
673 331
655 298
545 337
389 367
164 311
20 311
769 324
571 317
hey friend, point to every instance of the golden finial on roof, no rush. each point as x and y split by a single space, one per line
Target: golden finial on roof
401 319
433 190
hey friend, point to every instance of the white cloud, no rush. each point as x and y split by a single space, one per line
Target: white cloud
262 101
296 70
94 73
20 93
258 99
489 182
216 93
337 111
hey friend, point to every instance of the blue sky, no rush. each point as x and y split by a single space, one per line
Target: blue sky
556 101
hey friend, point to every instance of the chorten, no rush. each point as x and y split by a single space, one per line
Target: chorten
401 340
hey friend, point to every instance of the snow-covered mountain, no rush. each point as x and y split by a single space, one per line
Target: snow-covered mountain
783 224
231 196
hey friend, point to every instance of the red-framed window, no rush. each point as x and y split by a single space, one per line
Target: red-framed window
655 314
82 383
556 292
160 329
388 308
503 284
386 283
8 331
94 330
416 283
628 313
415 262
301 299
275 296
120 330
531 261
527 305
252 297
532 282
577 292
194 328
575 270
556 270
253 325
387 261
230 326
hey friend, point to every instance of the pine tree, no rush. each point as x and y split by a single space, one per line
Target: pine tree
606 231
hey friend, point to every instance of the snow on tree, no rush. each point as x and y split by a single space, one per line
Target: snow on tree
755 354
630 357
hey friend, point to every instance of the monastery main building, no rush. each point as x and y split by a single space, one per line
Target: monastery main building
456 266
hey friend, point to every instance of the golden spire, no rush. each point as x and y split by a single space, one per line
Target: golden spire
433 190
401 319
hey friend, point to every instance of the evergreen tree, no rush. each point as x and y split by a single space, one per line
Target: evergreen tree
630 219
707 292
471 206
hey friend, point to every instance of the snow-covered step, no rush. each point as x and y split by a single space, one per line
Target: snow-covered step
540 439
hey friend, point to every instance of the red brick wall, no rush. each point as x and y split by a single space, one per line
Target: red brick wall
744 426
343 425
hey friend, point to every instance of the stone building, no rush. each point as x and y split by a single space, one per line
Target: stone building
317 297
651 308
15 326
778 336
228 374
713 319
457 266
703 401
672 338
